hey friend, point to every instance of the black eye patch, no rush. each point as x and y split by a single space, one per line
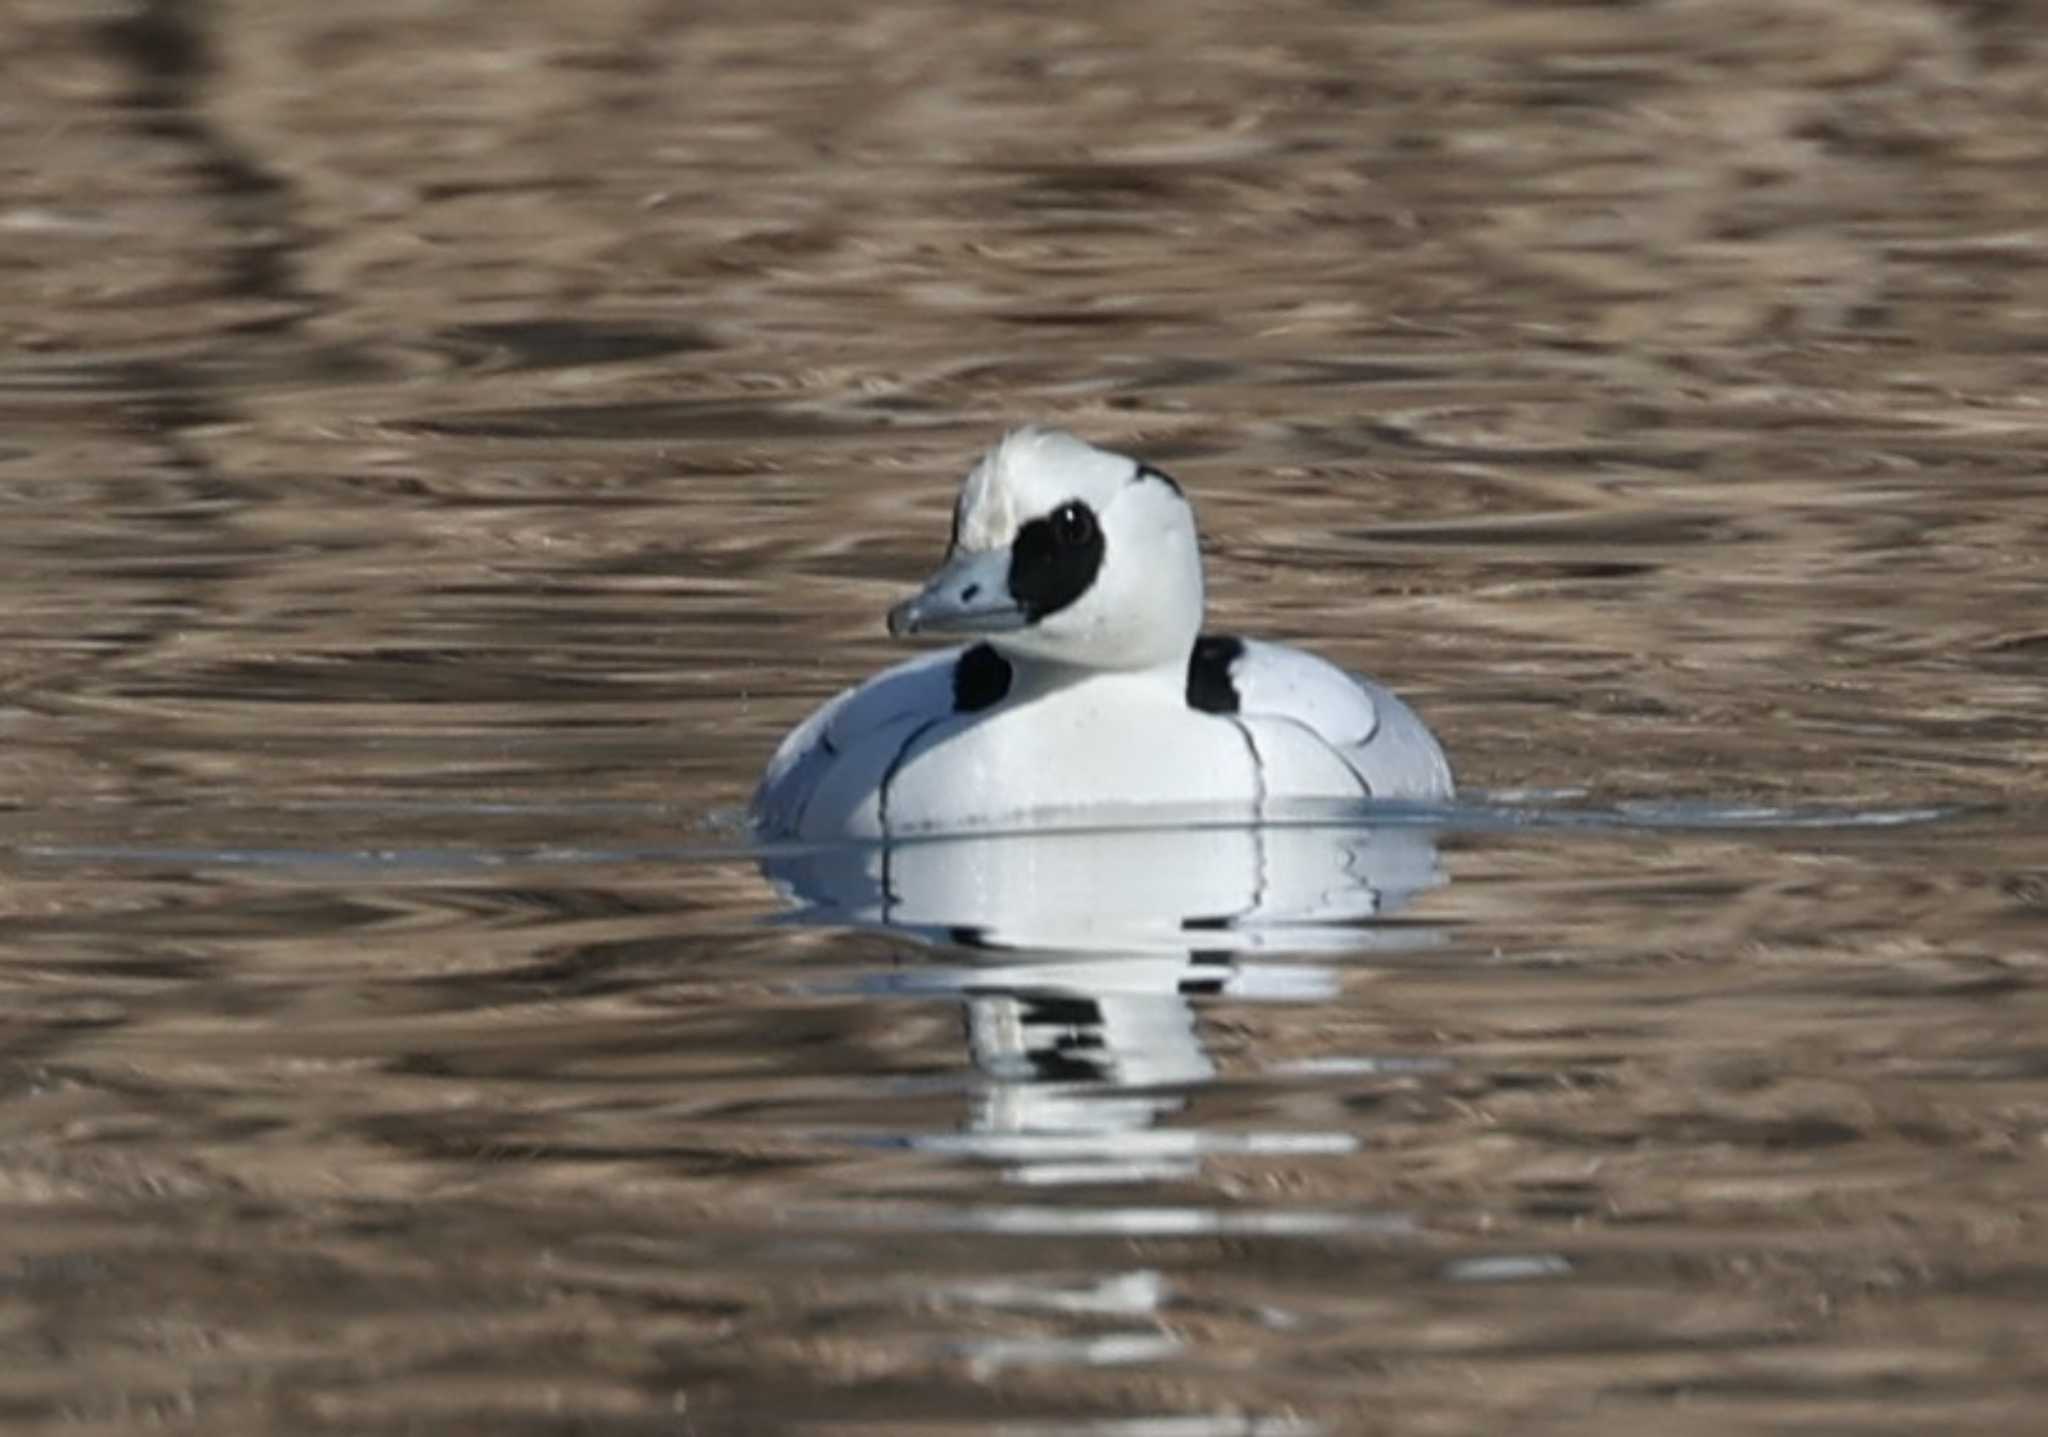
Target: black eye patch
1054 559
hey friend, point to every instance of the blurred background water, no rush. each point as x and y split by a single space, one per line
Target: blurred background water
444 445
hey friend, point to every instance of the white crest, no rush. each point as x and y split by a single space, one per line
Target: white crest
1029 473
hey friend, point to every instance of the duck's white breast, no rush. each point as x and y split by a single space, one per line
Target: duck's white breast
1121 740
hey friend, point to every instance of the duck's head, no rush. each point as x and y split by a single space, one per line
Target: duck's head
1066 553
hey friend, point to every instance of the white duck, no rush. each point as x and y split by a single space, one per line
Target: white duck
1090 686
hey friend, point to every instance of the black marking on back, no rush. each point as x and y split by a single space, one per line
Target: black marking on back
1146 471
1054 559
1343 757
981 680
889 777
1210 689
1251 747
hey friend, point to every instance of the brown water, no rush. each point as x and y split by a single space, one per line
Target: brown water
443 446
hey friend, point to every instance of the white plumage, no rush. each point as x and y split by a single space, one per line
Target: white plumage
1080 572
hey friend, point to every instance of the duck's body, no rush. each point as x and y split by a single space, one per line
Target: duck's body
1092 689
955 740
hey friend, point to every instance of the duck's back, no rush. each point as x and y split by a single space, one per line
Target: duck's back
1297 706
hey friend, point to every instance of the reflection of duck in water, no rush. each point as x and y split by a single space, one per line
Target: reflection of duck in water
1126 893
1081 953
1090 686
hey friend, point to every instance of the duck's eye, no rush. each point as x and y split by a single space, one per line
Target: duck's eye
1073 525
1054 559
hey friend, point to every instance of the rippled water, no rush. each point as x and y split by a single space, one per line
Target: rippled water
442 447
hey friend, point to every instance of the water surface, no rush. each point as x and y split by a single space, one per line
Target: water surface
443 447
